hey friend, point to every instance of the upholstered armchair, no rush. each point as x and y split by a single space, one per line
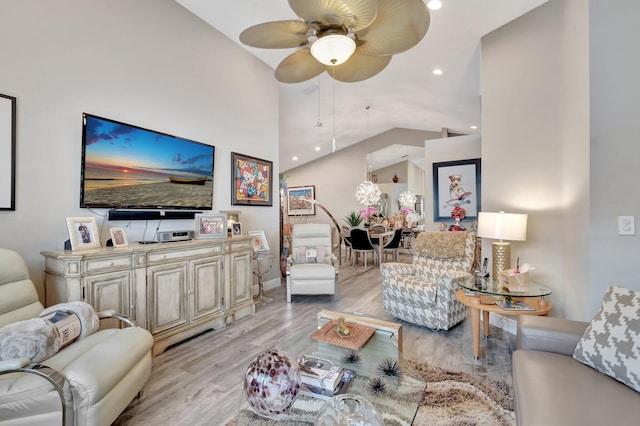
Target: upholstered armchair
90 381
311 266
423 292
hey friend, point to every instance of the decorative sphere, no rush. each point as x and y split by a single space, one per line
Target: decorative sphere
272 383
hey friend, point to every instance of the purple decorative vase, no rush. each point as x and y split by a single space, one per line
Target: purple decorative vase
272 383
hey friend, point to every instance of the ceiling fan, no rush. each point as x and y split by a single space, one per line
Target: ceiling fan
352 40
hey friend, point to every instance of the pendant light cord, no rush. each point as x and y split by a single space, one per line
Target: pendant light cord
334 110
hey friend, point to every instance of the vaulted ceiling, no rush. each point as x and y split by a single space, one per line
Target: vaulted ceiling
406 94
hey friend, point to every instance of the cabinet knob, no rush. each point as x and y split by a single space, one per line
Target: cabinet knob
110 263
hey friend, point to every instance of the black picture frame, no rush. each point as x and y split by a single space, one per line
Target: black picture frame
464 192
251 181
7 153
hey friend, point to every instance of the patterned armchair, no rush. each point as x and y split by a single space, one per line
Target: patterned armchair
423 293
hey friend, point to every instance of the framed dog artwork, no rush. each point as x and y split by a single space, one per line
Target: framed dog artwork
456 190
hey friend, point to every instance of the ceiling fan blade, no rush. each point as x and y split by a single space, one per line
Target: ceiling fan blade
354 14
276 35
298 67
400 25
359 67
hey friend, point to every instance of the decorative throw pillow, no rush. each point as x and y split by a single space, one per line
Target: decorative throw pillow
611 343
308 255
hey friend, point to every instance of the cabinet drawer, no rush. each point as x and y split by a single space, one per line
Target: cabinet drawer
160 257
99 264
240 245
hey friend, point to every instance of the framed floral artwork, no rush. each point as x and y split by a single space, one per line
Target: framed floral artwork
251 181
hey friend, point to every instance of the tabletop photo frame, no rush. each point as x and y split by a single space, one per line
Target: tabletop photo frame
83 233
211 226
259 241
118 237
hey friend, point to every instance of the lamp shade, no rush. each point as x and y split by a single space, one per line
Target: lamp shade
502 226
333 49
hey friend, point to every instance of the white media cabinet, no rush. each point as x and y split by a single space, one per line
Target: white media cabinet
175 290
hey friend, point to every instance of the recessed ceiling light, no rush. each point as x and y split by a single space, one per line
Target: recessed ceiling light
474 127
437 71
317 148
434 4
295 158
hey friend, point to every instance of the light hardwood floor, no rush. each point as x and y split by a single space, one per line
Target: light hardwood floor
199 382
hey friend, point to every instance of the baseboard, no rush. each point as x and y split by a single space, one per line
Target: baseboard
267 285
504 323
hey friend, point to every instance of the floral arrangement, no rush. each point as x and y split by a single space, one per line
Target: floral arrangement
368 212
406 211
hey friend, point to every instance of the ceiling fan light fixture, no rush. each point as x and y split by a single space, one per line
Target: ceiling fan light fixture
333 49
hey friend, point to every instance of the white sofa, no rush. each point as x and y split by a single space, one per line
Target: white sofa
99 374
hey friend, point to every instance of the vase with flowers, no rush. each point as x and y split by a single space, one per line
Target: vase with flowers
368 214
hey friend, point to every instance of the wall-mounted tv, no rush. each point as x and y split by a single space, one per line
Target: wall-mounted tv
128 167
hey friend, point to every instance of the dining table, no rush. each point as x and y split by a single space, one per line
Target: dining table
379 237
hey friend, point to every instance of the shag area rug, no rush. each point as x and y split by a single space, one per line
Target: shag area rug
454 398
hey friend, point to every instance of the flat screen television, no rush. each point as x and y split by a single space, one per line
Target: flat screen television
128 167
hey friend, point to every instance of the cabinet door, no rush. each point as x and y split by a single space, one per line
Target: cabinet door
109 291
206 283
241 277
167 296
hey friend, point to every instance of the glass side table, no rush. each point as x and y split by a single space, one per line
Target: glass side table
261 269
485 296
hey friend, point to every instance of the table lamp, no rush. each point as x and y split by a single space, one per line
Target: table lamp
501 226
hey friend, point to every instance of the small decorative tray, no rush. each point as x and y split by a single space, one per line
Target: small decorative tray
360 334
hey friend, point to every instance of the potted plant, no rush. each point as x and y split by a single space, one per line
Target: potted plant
353 219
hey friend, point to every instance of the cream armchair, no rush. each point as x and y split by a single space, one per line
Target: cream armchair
88 382
311 266
423 293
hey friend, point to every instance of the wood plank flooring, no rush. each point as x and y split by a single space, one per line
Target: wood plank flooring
199 382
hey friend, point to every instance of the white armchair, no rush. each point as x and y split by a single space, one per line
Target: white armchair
88 382
311 266
423 293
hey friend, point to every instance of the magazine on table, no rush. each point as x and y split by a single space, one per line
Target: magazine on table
325 393
514 305
322 379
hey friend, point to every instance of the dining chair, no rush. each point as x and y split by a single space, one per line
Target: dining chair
393 246
361 243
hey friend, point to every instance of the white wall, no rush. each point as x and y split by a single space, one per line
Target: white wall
614 69
146 62
446 149
535 144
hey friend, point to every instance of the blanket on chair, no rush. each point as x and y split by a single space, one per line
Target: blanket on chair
39 338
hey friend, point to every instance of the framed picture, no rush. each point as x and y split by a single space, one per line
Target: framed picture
251 181
83 233
236 229
297 200
7 152
211 226
456 190
259 241
118 237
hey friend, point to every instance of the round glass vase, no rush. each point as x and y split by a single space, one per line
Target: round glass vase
348 409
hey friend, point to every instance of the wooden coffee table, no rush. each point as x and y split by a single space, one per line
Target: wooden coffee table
484 299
